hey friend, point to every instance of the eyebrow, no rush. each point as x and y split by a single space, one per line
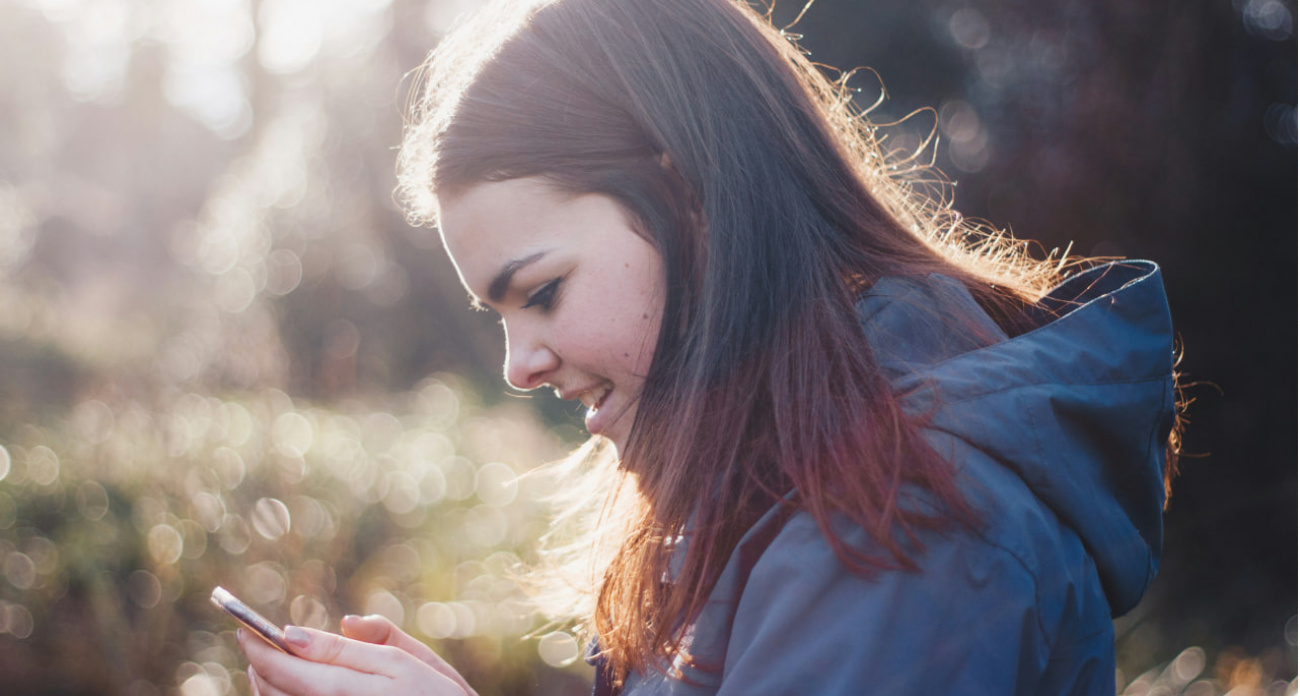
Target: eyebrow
497 288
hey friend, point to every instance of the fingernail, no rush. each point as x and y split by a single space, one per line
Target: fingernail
351 617
296 637
239 634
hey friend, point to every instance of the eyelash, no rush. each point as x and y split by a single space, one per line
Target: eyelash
545 296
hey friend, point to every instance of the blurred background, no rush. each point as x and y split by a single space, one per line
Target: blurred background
226 359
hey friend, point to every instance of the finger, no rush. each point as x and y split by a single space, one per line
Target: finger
371 629
279 674
333 649
378 629
261 687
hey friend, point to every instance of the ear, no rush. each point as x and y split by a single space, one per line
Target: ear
696 212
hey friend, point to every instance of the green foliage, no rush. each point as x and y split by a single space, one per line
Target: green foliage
119 520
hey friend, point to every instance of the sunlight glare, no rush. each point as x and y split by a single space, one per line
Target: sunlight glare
292 32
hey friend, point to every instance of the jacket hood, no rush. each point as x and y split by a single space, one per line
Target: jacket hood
1080 407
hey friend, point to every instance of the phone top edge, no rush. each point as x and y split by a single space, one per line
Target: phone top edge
250 619
220 596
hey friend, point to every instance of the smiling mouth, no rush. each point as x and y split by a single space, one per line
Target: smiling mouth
593 399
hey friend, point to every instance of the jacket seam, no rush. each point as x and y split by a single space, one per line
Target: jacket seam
1033 577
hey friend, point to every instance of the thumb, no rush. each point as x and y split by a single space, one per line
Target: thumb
380 631
370 629
319 646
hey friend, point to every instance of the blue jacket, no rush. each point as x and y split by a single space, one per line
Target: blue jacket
1058 436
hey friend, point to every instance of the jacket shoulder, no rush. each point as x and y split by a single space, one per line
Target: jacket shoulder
1011 607
967 621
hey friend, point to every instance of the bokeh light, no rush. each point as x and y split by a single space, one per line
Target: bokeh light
271 518
165 544
19 570
1269 19
309 612
558 648
144 589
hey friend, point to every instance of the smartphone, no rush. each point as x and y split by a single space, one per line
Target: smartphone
251 620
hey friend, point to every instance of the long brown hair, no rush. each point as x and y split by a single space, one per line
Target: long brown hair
773 205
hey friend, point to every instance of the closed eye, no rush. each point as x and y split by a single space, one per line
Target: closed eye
545 295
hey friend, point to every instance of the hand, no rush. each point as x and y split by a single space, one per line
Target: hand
379 630
375 658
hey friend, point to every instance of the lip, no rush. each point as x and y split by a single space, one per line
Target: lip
598 416
576 394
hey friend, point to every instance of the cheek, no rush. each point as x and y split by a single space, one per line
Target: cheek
616 314
622 344
644 319
617 333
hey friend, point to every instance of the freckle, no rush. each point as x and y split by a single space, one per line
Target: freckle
645 316
625 355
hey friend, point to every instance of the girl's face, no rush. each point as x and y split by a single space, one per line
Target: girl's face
580 293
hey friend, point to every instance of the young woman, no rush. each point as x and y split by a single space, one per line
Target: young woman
844 442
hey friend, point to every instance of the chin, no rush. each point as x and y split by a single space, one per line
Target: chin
618 431
616 441
617 444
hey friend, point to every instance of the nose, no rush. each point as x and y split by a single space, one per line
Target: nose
529 361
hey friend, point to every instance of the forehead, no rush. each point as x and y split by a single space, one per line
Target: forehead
495 225
492 223
497 216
